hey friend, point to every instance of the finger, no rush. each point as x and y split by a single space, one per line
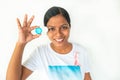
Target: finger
18 23
33 27
36 36
25 21
30 21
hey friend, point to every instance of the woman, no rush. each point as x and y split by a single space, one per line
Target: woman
61 58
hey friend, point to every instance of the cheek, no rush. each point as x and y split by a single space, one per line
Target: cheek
67 33
49 35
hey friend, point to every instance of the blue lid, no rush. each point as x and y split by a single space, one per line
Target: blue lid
38 30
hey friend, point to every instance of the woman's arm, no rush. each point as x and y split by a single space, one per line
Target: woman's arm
15 69
87 76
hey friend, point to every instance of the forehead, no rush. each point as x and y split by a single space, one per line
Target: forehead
57 20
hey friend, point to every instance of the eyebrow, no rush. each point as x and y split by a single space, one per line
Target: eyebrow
64 24
60 25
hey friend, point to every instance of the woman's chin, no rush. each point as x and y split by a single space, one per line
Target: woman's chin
59 44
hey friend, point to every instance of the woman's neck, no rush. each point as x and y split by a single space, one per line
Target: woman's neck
62 49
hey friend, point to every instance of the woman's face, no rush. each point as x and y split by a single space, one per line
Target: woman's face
58 30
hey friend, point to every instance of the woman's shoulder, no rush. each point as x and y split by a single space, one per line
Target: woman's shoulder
42 46
79 47
39 48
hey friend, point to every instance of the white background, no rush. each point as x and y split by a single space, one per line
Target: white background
95 25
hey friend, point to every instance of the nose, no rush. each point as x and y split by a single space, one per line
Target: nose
58 32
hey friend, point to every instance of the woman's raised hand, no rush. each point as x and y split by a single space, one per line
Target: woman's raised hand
25 29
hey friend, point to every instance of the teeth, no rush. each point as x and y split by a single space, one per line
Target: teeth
59 40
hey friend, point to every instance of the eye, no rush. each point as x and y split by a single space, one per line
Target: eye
64 27
51 29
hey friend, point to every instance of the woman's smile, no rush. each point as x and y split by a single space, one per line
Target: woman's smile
59 40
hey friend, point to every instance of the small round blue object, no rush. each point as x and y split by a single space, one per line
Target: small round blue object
38 30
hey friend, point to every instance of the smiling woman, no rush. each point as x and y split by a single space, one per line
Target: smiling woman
61 59
60 31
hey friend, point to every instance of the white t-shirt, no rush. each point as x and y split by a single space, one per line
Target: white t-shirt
70 66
